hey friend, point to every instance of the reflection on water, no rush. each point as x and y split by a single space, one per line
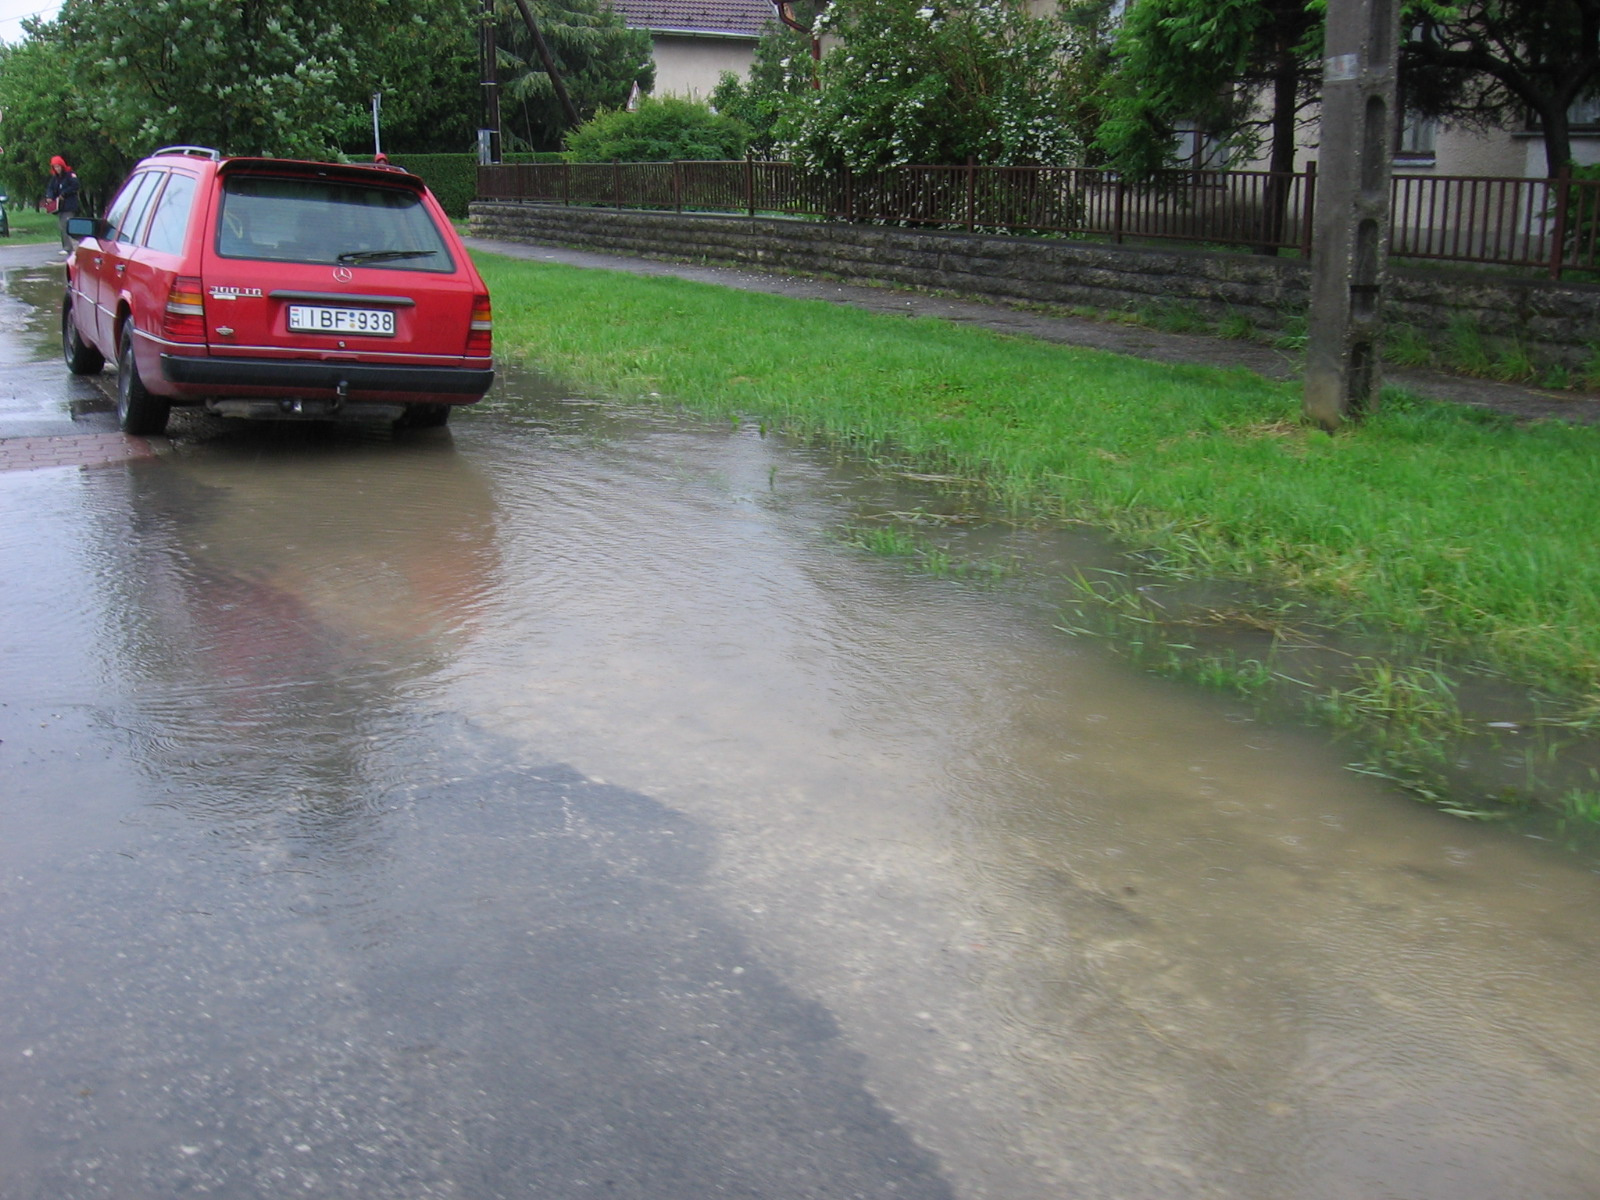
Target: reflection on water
293 592
1087 921
1089 933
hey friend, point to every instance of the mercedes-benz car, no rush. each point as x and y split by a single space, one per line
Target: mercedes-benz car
275 288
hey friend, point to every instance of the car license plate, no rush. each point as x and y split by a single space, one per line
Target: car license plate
315 318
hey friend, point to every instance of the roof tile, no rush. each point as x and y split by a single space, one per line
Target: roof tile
743 17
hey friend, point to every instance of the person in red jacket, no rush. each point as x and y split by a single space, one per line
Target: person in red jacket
61 197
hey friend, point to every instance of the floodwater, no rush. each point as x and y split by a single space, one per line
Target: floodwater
556 806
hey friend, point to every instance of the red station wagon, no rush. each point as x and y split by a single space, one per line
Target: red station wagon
272 288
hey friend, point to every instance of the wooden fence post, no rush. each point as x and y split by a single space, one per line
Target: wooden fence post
749 184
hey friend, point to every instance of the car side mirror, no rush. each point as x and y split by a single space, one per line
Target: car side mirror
82 227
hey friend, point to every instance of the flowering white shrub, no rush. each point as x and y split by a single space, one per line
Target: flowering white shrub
912 82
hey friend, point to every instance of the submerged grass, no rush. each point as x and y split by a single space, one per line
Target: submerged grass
1460 530
893 541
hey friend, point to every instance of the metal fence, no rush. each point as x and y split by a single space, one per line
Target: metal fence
1550 225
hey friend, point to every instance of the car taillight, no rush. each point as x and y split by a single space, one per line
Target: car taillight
185 317
480 334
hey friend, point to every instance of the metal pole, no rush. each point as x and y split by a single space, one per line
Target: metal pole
1558 236
1351 240
972 189
377 141
1309 209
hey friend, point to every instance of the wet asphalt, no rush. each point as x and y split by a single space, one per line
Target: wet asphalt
38 399
288 910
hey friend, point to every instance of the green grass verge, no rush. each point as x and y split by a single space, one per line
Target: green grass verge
1461 533
28 226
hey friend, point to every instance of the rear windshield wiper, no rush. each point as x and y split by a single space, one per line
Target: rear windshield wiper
371 256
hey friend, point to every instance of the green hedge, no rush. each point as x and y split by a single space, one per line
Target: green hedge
453 177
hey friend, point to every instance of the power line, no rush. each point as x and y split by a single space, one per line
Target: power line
19 18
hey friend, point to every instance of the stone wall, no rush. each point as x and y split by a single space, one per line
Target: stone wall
1556 326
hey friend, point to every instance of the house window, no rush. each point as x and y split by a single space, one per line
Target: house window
1416 137
1582 117
1198 150
1585 114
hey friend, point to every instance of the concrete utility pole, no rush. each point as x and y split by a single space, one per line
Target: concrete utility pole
488 58
1351 224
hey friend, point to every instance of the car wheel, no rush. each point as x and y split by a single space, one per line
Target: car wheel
138 411
82 358
424 416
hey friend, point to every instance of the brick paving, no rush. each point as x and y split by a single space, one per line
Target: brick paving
71 450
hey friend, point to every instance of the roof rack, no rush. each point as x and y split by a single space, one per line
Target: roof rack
196 151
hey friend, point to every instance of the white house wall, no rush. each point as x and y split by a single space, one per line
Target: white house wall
690 66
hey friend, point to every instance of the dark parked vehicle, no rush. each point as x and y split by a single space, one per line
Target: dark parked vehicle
274 288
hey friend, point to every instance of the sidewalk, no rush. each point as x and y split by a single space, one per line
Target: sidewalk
71 450
49 417
1523 402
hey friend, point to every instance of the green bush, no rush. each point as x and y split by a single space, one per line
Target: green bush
666 130
1583 211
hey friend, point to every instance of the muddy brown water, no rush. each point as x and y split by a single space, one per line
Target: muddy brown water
357 787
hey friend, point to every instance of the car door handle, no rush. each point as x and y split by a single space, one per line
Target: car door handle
121 267
97 263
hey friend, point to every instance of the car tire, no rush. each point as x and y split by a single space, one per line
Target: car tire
82 358
424 416
138 412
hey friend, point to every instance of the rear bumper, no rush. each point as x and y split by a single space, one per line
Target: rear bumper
264 376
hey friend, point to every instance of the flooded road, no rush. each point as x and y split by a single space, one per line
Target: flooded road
557 806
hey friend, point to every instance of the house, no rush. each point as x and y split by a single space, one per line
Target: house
695 41
1424 146
1563 54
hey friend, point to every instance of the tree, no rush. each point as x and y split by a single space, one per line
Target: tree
428 73
111 80
245 76
782 76
942 81
1490 62
1212 65
600 59
1217 63
45 113
663 130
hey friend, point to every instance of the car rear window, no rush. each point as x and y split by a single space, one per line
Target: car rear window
328 221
